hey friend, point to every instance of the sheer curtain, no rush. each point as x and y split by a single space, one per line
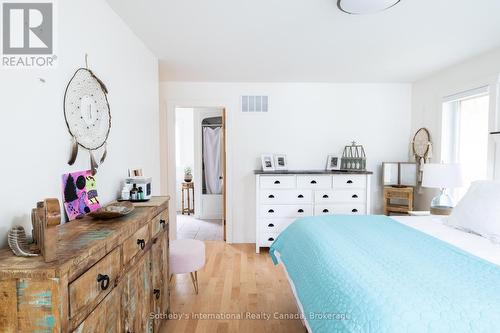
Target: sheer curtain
212 159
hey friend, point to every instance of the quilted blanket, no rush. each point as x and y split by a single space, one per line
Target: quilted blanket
373 274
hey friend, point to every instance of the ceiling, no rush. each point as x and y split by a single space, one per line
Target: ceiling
309 40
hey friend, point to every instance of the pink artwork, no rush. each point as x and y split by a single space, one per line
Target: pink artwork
80 194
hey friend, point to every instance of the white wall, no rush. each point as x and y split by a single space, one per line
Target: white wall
306 121
184 142
34 141
427 99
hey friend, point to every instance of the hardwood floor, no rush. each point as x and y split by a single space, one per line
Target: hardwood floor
235 282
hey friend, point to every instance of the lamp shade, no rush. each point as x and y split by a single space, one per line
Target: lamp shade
442 176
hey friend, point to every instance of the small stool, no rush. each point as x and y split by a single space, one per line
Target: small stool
187 256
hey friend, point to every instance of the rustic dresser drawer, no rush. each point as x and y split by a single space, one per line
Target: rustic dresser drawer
94 283
135 243
158 223
277 182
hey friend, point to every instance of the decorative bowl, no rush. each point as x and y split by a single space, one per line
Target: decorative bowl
114 210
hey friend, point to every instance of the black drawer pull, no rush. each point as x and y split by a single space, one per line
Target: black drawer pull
270 211
277 182
270 225
354 210
325 196
103 280
300 196
141 243
313 182
270 239
162 223
354 196
325 211
349 181
300 211
156 292
271 196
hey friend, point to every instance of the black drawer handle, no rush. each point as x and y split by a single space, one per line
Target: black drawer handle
300 211
270 239
156 292
325 211
270 211
354 196
325 196
271 196
354 210
270 225
313 182
300 196
103 280
141 243
277 182
349 181
162 223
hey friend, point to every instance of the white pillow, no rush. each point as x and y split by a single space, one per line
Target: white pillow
479 210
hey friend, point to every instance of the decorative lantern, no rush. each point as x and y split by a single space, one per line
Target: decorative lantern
353 158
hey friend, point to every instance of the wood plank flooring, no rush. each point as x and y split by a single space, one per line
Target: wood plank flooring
235 283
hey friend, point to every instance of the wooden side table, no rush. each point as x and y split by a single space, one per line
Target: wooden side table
399 193
188 189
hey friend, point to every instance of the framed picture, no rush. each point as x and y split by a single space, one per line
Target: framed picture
280 162
267 162
333 163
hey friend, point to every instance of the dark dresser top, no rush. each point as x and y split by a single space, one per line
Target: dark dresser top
312 172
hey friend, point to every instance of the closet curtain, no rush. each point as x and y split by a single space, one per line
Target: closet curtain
212 159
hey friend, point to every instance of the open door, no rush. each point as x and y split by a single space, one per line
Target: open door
224 173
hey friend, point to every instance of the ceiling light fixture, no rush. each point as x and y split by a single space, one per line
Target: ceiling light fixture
359 7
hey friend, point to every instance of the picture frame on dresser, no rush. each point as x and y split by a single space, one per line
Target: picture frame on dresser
332 163
280 162
267 162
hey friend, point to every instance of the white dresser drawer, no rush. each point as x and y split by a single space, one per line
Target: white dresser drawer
314 181
285 211
354 195
339 209
274 225
324 196
267 239
277 182
286 196
349 181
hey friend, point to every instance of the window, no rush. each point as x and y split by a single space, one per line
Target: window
465 135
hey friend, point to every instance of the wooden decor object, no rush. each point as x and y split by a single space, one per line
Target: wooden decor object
188 189
45 217
398 193
91 286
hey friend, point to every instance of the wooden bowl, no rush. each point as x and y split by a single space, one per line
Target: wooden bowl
112 211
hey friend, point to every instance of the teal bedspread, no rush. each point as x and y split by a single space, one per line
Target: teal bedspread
373 274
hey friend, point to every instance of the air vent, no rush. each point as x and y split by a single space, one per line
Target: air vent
254 103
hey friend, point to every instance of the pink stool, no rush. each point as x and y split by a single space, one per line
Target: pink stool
187 256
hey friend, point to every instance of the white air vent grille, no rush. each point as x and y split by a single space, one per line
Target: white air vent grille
254 103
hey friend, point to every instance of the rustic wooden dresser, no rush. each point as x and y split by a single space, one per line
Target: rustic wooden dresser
110 276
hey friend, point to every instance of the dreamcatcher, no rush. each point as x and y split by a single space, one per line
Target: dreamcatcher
87 114
422 149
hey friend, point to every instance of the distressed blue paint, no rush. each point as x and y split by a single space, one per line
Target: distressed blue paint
46 324
20 287
93 235
42 299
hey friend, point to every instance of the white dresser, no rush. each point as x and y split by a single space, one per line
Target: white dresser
281 198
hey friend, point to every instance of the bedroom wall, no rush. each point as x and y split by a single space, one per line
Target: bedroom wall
306 121
34 141
427 98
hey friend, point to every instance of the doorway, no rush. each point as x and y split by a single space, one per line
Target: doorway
200 158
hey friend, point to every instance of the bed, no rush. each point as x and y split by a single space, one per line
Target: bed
382 274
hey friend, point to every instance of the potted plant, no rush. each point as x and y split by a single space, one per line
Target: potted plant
188 174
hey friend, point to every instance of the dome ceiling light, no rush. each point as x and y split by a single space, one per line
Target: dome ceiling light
359 7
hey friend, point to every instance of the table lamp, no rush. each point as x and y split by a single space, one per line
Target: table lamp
444 177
